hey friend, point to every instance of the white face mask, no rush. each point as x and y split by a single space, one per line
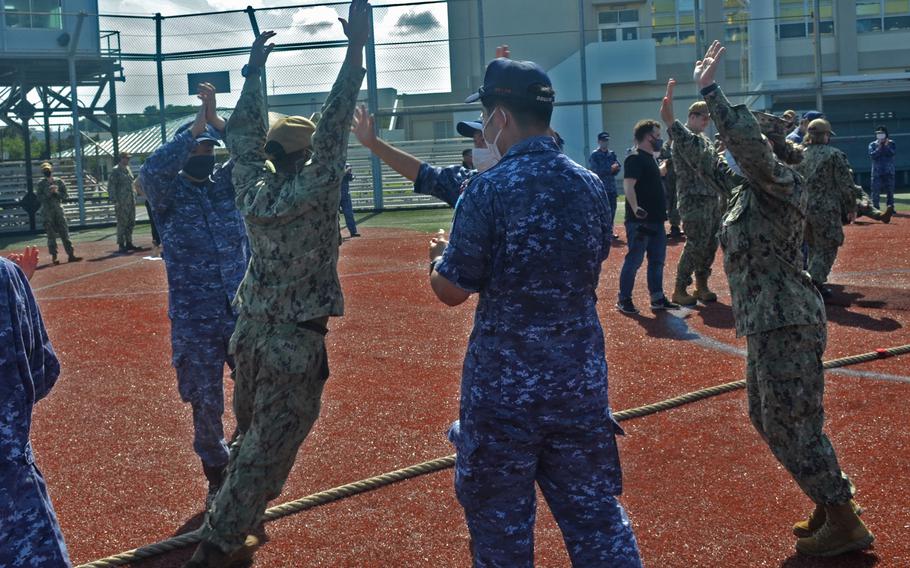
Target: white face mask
486 158
731 161
880 136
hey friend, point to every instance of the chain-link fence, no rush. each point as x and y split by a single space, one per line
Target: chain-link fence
609 63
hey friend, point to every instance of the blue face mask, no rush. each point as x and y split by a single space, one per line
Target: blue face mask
657 144
199 167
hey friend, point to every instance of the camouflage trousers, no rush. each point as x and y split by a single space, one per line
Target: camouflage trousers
200 350
281 371
821 260
576 465
55 226
701 221
126 221
785 384
30 535
882 183
672 203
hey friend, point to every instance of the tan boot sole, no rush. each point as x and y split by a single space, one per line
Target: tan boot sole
852 546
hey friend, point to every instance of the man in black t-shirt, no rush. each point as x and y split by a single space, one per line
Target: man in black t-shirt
645 216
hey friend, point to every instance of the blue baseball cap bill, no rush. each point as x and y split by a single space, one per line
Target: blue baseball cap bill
468 128
207 135
523 81
812 115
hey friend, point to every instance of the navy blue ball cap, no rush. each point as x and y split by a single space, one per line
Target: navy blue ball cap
523 81
207 135
812 115
603 136
468 128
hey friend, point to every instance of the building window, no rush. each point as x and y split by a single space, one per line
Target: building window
673 21
882 15
618 25
736 19
442 129
795 18
46 14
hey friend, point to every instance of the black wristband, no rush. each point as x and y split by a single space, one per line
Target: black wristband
709 89
249 70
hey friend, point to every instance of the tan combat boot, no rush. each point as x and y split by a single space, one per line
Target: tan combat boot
807 528
210 556
702 292
842 532
681 297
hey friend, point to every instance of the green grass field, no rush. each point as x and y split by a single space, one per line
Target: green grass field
426 220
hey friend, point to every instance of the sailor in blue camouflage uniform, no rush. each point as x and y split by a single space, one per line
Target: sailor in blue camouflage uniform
206 255
529 236
605 164
29 533
443 183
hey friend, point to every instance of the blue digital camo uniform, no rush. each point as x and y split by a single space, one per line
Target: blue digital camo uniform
29 533
601 163
882 171
530 235
446 184
206 254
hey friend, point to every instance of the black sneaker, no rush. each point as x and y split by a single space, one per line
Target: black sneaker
626 307
215 477
663 304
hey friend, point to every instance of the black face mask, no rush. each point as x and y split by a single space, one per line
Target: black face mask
199 167
48 173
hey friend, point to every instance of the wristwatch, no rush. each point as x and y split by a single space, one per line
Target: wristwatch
248 69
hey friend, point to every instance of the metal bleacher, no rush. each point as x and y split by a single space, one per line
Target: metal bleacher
398 192
98 210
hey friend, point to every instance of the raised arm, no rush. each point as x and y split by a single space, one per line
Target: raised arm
695 151
246 130
160 170
740 131
363 127
330 140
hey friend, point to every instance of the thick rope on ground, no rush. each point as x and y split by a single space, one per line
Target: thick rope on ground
439 464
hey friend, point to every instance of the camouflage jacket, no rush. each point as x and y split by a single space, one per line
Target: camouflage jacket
601 163
51 202
687 181
120 186
829 181
205 243
445 184
882 156
530 235
764 227
292 220
28 370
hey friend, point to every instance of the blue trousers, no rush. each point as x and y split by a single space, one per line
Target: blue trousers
348 209
882 183
644 238
611 195
576 465
200 353
30 535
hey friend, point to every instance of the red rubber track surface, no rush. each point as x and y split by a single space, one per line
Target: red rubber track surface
114 439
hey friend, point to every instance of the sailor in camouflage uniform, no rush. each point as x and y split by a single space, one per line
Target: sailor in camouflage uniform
120 191
605 164
205 253
29 532
829 182
529 236
700 212
51 193
289 292
775 305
